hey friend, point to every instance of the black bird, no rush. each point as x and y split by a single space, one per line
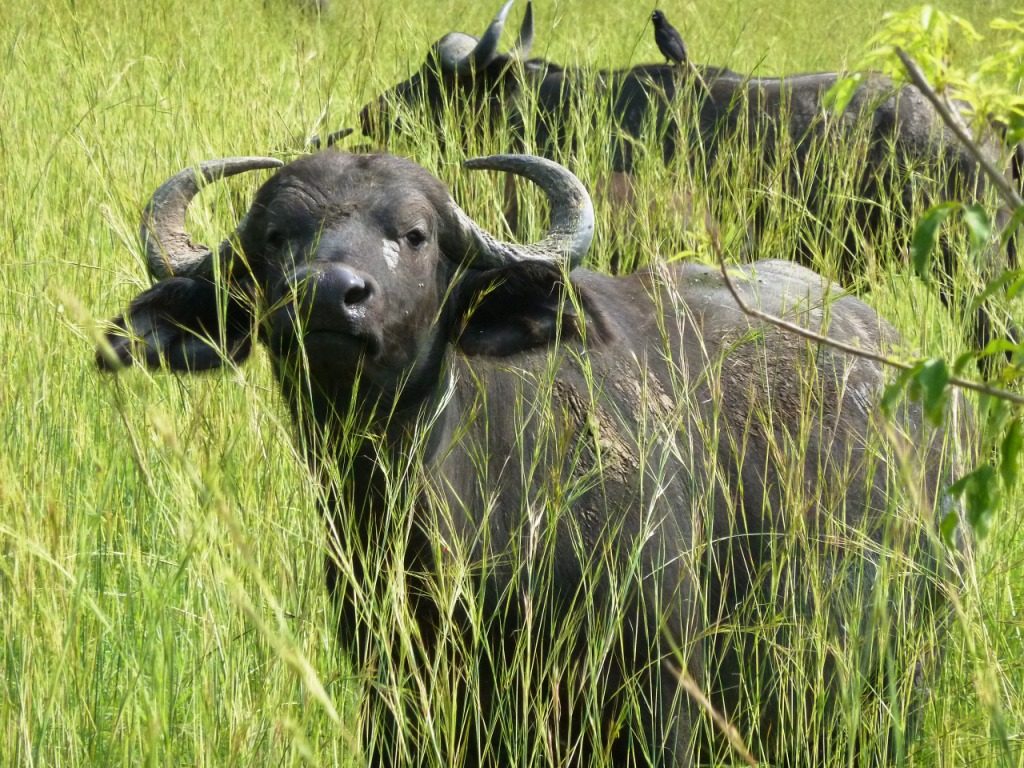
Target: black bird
667 37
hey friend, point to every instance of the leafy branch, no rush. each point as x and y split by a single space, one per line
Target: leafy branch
956 124
867 354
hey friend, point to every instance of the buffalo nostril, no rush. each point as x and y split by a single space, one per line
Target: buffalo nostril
356 293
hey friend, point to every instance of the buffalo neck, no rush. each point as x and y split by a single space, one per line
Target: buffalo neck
353 443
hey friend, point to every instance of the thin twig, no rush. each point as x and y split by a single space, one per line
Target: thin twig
849 349
728 729
1010 195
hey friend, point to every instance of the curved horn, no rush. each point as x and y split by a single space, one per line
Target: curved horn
169 251
572 216
524 42
455 55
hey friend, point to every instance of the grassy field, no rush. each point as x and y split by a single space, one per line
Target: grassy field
161 590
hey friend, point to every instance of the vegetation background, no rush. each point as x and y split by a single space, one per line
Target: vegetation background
161 599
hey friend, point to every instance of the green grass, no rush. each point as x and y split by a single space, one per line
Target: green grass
161 555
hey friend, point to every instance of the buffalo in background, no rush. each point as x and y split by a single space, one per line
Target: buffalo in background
777 132
627 472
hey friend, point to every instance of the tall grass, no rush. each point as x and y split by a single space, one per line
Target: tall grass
161 554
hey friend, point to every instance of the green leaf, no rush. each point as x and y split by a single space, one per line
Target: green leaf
838 97
993 413
961 362
966 27
948 527
978 225
1009 452
1016 287
927 14
997 348
894 391
979 491
933 381
1014 223
923 240
1015 129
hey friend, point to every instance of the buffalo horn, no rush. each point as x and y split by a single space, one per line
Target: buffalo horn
572 216
169 251
521 50
452 49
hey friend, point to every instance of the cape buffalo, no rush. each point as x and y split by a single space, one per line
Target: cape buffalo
574 491
850 175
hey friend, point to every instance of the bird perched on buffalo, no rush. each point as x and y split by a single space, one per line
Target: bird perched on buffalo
670 43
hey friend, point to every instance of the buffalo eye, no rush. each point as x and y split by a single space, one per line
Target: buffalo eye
275 239
416 237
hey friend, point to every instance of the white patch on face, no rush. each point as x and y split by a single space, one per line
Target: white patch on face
389 250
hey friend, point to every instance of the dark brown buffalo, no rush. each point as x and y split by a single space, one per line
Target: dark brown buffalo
630 473
888 155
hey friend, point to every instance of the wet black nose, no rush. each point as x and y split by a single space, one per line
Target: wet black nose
326 295
344 284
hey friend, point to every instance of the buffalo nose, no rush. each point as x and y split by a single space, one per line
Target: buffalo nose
331 289
342 283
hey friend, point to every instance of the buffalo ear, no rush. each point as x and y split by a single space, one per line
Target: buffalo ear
500 312
180 323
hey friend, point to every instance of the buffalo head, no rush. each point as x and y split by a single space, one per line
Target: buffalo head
460 71
346 261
